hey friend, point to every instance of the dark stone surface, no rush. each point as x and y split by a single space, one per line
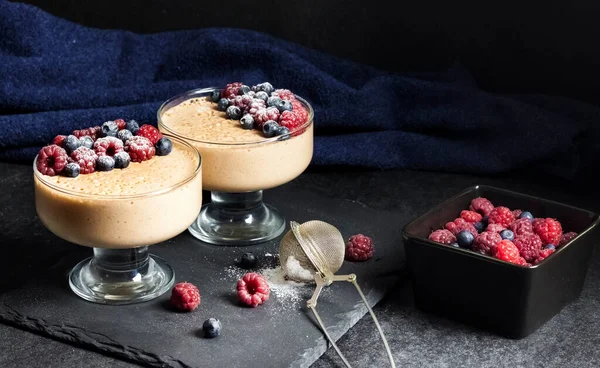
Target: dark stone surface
417 339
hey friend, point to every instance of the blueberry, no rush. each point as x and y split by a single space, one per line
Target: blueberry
109 129
86 142
244 90
270 128
265 87
485 220
122 160
548 246
71 143
215 95
262 95
223 104
479 226
455 245
507 234
247 122
211 328
248 261
283 105
465 239
527 215
72 170
273 101
132 126
284 132
105 163
124 135
234 113
163 146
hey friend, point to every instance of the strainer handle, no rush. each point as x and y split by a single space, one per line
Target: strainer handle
314 310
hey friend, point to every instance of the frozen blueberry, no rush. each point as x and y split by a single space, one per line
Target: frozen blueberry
265 87
273 101
507 234
527 215
234 113
86 141
485 220
211 328
223 104
270 128
244 90
283 105
109 129
122 160
215 95
124 135
132 126
284 132
72 170
248 261
247 122
479 226
548 246
262 95
71 143
465 239
105 163
455 245
163 146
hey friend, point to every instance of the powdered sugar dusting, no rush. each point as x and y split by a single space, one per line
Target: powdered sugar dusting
295 271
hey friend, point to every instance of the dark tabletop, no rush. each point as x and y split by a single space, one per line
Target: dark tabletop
416 339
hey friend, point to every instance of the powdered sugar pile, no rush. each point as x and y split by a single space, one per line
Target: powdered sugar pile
295 271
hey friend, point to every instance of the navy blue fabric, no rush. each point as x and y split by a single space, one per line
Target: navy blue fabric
56 76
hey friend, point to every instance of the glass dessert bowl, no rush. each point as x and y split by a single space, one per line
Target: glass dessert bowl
238 165
119 213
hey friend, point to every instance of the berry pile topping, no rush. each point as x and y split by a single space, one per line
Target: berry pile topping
185 296
359 248
253 290
514 236
255 106
113 145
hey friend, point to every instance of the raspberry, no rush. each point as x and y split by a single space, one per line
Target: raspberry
252 289
120 123
529 246
536 221
263 115
185 296
150 132
494 228
452 224
462 225
108 146
501 215
231 90
508 252
549 230
89 132
254 106
470 216
566 238
521 227
517 213
443 236
481 205
51 160
284 94
86 158
58 140
359 248
243 101
295 118
486 242
544 253
139 148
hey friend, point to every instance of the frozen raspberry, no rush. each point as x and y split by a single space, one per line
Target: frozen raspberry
549 230
508 252
58 140
501 215
51 160
544 253
231 90
92 132
150 132
460 226
486 242
481 205
566 238
522 262
470 216
243 101
495 228
108 146
295 118
536 221
254 106
284 94
443 236
517 213
359 248
120 123
522 226
252 289
452 224
139 148
529 246
185 296
86 158
263 115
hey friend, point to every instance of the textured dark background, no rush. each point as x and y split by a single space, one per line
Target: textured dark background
511 47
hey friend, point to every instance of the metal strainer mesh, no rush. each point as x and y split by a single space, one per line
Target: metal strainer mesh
320 247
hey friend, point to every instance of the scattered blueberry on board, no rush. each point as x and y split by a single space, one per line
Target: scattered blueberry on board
248 261
211 328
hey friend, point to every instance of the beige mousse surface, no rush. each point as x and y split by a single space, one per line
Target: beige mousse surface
237 160
143 204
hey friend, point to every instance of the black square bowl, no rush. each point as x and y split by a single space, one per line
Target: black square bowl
481 291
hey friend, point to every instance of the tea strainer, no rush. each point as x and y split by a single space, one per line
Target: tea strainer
320 247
